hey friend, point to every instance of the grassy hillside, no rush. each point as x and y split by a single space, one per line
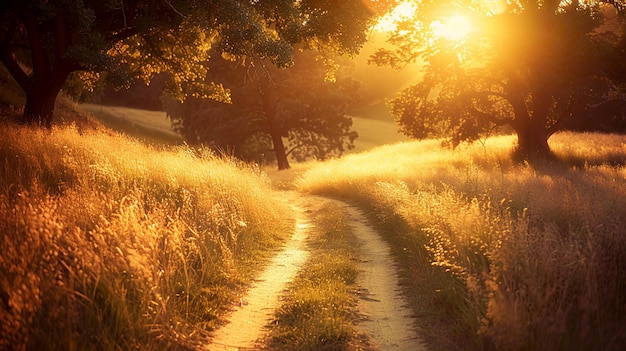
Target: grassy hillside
498 255
155 127
110 244
374 133
151 126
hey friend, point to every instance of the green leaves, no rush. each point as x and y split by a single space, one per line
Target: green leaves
268 103
533 65
141 38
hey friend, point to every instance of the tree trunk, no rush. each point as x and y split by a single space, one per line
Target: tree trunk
43 84
532 143
277 141
279 151
39 107
269 108
532 130
532 139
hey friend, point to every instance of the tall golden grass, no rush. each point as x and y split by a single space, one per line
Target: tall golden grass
498 255
109 244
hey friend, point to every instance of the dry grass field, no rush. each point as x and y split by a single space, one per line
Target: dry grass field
111 244
498 255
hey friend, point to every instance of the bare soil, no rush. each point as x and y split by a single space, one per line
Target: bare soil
385 319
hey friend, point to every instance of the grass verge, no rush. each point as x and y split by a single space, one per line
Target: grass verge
319 308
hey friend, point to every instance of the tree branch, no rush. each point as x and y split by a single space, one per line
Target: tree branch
174 8
490 118
10 61
486 116
294 149
122 34
484 94
563 117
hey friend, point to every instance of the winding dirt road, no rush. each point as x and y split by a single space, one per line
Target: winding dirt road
385 317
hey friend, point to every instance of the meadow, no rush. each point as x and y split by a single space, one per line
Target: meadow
155 127
111 244
150 126
497 255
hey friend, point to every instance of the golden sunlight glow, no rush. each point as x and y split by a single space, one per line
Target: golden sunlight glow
494 7
387 23
454 28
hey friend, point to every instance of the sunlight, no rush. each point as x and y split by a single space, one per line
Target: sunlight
388 23
453 28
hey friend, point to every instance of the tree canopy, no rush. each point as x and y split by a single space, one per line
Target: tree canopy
43 42
532 66
274 113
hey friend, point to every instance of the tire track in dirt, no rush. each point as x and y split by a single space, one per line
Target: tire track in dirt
385 315
385 318
246 324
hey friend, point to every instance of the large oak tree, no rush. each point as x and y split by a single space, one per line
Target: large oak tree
273 113
533 66
43 42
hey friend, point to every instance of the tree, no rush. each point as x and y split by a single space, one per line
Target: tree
530 65
43 42
294 111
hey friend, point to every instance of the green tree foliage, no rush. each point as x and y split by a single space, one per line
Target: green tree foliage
43 42
274 113
534 66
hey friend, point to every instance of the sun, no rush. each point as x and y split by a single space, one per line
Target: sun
455 28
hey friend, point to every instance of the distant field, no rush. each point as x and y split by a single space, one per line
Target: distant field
139 123
372 132
156 120
375 132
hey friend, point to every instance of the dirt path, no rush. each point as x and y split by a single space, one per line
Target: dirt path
246 326
385 318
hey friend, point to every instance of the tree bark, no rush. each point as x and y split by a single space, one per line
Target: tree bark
42 93
532 142
279 151
43 84
532 133
269 108
39 107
